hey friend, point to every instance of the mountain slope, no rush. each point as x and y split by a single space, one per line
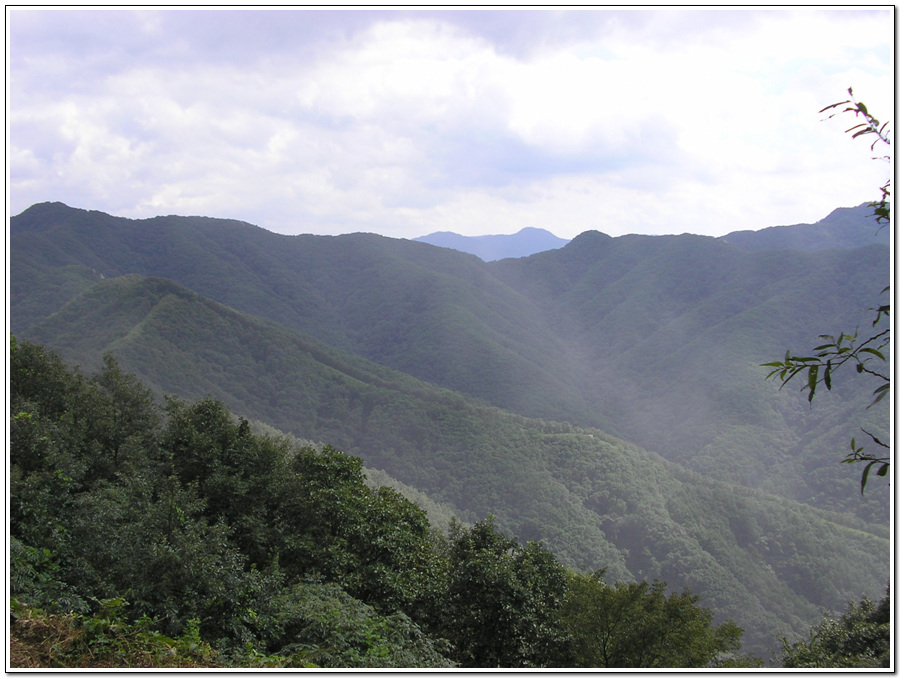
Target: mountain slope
596 501
655 339
674 329
432 312
526 242
845 228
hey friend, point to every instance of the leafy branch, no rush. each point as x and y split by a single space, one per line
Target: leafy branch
844 348
869 125
867 356
838 351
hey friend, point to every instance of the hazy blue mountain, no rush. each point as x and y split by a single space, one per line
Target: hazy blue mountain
844 228
526 242
770 564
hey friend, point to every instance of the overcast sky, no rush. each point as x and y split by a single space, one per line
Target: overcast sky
404 123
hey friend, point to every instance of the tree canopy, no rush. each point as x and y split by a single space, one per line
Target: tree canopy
137 525
858 638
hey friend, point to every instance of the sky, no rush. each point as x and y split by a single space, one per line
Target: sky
479 122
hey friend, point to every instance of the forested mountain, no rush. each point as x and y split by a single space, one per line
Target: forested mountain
769 564
671 331
845 228
178 537
655 339
493 247
366 343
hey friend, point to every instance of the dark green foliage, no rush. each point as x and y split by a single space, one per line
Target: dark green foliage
33 576
593 500
860 638
324 625
502 601
636 625
375 543
109 501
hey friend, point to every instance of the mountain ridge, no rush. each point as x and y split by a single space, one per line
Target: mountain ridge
502 372
843 228
590 333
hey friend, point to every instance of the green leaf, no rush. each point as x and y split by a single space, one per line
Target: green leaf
813 380
827 377
872 351
880 393
865 477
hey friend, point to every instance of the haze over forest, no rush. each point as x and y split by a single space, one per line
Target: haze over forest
604 398
437 338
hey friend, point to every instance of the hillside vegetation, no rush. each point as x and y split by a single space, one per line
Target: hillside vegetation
176 537
593 500
657 340
498 388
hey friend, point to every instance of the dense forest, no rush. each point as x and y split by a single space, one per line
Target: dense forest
175 536
482 391
595 501
155 526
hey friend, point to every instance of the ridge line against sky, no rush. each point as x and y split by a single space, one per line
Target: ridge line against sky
408 122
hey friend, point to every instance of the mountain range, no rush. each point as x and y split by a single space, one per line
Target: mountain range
844 228
512 387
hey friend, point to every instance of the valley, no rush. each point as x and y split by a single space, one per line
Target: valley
604 398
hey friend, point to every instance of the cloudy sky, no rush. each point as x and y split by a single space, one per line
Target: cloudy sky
409 122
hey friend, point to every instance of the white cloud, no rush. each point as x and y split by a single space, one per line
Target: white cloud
407 122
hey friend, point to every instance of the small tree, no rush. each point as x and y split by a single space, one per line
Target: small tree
502 601
636 625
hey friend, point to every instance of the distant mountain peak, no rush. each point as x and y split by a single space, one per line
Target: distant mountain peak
527 241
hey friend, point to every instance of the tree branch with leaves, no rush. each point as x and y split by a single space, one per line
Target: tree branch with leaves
868 355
